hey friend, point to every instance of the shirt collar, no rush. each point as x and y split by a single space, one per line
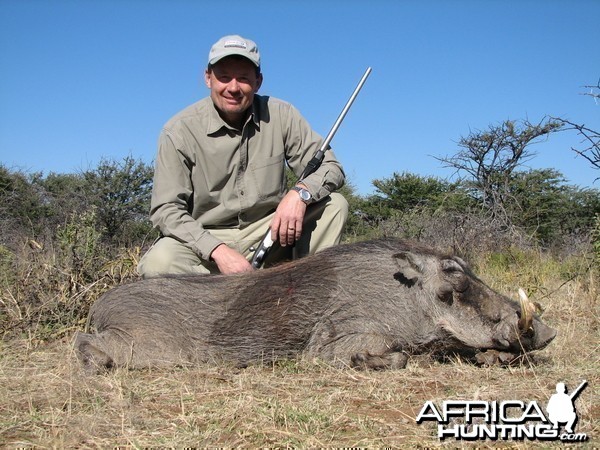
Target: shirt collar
255 114
215 123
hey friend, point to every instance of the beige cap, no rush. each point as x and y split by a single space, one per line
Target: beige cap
234 45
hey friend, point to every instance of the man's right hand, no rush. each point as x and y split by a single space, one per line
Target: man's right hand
230 261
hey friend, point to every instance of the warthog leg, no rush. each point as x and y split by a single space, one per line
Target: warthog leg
93 358
391 360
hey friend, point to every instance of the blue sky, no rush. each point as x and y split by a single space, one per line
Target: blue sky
82 80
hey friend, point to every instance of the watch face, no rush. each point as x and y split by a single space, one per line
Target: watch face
304 195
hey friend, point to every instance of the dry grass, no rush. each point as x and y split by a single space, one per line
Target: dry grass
47 401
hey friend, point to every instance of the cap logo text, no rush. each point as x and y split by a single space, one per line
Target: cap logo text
237 44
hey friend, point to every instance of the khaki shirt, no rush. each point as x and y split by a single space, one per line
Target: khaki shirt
210 175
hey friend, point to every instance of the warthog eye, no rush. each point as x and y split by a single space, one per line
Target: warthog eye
446 296
455 275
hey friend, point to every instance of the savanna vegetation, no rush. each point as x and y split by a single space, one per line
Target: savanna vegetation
67 238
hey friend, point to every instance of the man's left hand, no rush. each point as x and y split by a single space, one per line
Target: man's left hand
286 226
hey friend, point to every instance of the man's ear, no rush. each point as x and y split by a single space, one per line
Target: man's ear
259 80
207 79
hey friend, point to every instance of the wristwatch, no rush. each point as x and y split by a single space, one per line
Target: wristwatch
304 194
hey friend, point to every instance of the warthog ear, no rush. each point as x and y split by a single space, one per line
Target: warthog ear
411 268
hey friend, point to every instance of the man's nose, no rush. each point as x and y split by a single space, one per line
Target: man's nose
233 85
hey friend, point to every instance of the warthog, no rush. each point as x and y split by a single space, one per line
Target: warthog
364 305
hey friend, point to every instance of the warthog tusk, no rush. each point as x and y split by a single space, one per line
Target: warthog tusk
527 311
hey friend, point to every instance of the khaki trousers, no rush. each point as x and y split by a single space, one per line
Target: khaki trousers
322 228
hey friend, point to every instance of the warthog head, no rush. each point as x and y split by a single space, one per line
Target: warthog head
468 316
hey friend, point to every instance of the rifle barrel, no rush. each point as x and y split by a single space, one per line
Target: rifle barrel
576 392
338 122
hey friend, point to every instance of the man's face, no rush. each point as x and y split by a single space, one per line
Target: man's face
233 83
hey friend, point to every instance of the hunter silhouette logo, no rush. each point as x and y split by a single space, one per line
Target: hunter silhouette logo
561 406
510 419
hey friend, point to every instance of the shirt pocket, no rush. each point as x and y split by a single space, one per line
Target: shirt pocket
268 177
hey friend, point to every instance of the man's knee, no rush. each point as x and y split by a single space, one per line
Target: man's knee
156 261
339 205
325 225
168 256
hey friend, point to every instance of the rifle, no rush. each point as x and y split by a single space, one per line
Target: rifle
267 243
577 391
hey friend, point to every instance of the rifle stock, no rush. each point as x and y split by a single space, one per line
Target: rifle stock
267 243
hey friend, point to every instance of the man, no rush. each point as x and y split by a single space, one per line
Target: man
219 179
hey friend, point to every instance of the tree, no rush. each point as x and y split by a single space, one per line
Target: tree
487 159
121 192
404 195
590 138
405 191
21 209
63 194
537 201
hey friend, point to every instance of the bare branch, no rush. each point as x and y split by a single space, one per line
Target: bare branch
593 93
590 138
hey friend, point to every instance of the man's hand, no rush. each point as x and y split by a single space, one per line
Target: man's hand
229 260
286 226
